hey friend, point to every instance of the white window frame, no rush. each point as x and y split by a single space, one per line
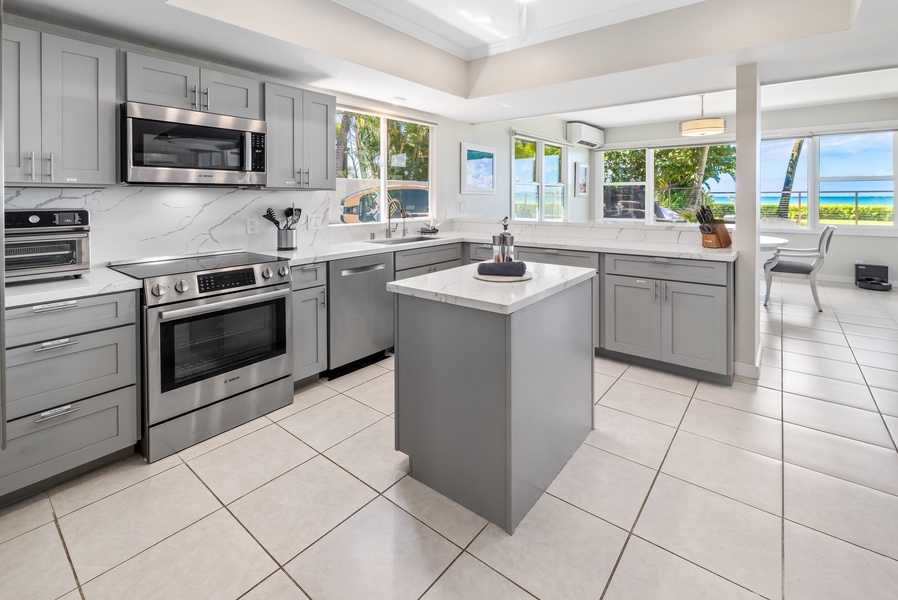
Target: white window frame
539 177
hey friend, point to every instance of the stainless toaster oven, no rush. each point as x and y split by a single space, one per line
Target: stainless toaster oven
45 243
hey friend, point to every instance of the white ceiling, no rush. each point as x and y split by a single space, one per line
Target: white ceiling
452 25
609 63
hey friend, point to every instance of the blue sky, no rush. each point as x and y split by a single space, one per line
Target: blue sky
840 156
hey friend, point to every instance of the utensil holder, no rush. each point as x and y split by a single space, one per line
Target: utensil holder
286 239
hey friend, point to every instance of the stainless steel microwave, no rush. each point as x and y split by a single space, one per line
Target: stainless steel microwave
164 145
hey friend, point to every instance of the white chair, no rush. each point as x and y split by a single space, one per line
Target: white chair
800 268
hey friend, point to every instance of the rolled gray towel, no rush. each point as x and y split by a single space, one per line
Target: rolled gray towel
506 269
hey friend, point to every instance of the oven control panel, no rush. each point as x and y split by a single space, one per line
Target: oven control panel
214 282
167 289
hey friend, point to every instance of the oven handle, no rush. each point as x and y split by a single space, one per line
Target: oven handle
180 313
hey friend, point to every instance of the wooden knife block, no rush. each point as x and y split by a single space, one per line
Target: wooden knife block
720 238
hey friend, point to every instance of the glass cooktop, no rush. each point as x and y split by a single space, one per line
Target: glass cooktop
190 263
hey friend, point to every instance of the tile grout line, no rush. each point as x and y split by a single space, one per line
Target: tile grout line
65 548
646 499
783 475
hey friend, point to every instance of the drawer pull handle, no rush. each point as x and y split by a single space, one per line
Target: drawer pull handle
550 251
310 268
365 269
660 260
57 412
42 308
56 344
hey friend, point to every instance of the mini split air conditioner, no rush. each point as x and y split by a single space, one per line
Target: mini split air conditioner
585 135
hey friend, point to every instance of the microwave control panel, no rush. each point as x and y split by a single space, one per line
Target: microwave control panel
257 147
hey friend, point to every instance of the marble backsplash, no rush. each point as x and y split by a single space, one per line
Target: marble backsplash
140 222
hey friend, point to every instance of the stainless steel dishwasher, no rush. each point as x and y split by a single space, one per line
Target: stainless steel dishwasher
360 318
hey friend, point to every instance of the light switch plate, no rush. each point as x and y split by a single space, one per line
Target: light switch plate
314 221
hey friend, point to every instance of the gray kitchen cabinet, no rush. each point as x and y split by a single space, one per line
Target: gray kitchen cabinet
360 309
301 138
477 252
420 261
154 80
568 258
72 386
654 309
309 321
59 100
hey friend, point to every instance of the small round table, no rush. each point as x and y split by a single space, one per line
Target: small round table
768 242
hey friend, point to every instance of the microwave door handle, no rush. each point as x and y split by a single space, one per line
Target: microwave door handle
247 151
181 313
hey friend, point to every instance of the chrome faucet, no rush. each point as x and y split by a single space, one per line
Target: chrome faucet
390 229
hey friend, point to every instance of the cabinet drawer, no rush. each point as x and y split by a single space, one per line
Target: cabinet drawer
406 273
672 269
41 376
41 446
30 324
409 259
479 252
306 276
568 258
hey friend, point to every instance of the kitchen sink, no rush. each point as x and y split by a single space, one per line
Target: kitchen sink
403 240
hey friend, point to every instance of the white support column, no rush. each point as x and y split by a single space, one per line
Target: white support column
748 213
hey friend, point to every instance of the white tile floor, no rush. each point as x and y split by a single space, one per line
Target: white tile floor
785 487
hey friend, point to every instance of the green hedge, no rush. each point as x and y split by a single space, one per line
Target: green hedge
828 212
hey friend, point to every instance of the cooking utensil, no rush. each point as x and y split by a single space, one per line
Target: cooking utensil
269 215
297 213
288 212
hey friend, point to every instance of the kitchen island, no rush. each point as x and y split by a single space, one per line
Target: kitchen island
494 383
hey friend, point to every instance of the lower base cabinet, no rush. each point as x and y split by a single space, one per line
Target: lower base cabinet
675 322
309 320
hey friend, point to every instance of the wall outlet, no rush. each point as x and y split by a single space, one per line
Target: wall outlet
252 226
314 221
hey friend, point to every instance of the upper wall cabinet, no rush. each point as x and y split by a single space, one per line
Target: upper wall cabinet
59 110
301 138
157 81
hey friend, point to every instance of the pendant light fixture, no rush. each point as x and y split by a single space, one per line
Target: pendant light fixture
703 126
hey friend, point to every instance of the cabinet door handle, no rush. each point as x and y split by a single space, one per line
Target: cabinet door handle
33 174
42 308
195 99
52 166
57 412
655 285
666 290
208 95
323 297
56 344
307 183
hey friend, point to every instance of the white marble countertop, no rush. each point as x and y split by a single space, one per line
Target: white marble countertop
332 251
459 287
100 280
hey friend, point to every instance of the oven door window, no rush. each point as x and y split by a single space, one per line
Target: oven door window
36 253
207 345
180 146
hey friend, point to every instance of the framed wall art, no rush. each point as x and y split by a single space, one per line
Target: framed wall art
478 169
581 179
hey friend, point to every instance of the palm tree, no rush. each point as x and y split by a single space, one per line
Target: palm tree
782 210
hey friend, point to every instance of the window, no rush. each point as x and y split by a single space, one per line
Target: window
380 158
538 181
852 182
681 179
857 179
624 189
785 194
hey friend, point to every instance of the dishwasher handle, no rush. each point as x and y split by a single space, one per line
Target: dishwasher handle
363 269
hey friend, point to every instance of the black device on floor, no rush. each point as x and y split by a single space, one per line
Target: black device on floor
872 277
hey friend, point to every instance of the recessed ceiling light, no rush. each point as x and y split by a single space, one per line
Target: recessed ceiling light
396 100
484 19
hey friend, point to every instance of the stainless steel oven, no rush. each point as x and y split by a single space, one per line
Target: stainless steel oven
45 243
218 349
